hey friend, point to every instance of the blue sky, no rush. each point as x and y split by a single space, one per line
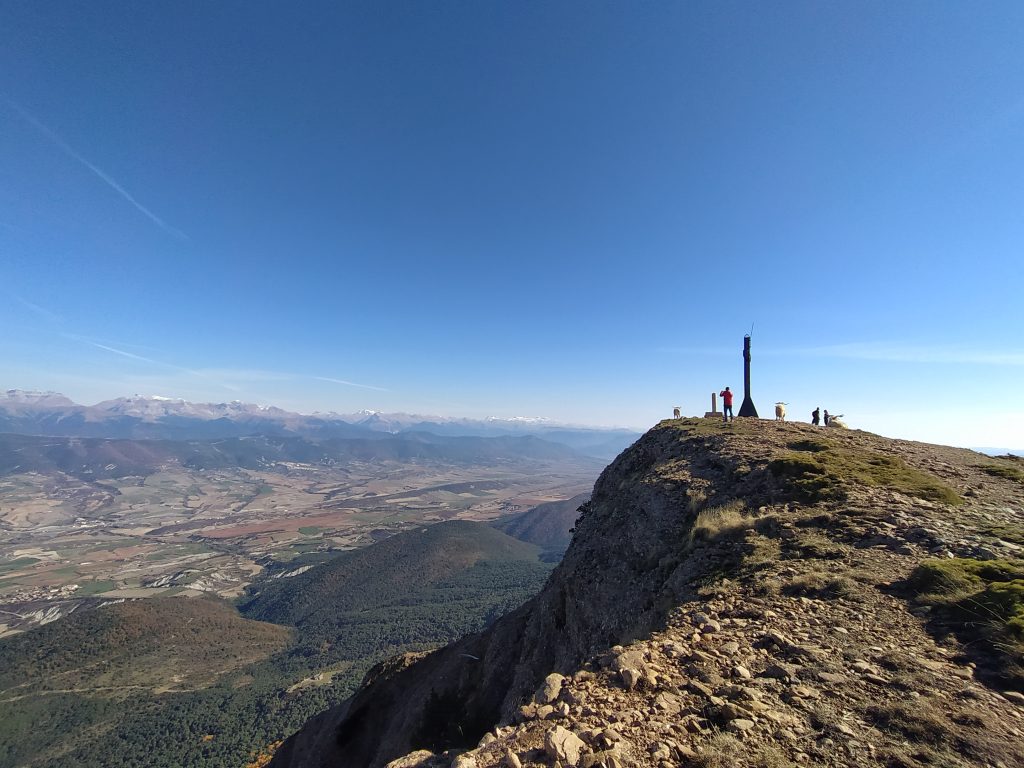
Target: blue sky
573 210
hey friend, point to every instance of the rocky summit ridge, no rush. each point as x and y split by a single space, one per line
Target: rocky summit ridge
753 594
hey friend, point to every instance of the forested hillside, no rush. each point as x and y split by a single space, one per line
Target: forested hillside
440 580
179 683
137 644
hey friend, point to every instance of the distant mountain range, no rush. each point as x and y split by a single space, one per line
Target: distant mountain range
161 418
94 458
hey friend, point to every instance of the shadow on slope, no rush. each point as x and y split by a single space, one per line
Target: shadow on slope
549 525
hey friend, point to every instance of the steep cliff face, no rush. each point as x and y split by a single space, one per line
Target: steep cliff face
734 525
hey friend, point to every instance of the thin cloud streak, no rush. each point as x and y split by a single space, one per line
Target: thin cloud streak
111 342
350 383
126 354
151 361
43 312
110 181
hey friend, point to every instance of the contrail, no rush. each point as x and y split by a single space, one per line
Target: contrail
350 383
68 150
130 354
53 317
150 360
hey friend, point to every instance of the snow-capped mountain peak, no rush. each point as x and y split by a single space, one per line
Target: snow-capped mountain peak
36 398
520 419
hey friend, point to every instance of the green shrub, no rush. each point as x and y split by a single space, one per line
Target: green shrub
946 577
980 600
814 446
819 470
1005 600
1007 471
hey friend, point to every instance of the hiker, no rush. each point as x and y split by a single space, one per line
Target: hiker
816 416
726 396
827 417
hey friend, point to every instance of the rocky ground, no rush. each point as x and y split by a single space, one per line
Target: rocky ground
796 641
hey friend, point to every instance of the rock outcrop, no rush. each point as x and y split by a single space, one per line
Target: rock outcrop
734 595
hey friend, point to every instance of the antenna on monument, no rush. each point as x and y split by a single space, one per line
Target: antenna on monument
747 409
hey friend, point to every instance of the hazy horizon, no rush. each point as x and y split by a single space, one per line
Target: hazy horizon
554 421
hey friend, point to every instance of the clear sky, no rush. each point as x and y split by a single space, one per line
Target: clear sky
572 210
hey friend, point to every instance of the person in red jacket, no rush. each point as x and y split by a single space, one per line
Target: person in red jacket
726 396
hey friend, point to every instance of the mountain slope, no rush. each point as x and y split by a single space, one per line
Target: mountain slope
133 644
770 581
70 689
362 578
189 683
549 525
414 590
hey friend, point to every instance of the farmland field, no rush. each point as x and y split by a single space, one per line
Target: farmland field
187 532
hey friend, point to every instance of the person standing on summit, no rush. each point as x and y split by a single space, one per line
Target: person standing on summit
726 396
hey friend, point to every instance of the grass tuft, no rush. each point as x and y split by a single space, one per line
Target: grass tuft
919 722
820 585
724 750
720 522
981 600
1006 471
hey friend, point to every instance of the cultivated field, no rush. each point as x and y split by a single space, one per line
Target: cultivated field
183 531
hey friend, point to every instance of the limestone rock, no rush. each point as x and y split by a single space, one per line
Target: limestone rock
783 672
549 689
740 725
412 760
563 745
630 677
629 659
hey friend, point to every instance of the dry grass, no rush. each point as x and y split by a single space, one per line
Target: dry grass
720 751
919 722
817 545
820 585
726 521
726 751
695 501
765 552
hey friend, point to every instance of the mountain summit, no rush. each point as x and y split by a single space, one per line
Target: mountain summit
752 594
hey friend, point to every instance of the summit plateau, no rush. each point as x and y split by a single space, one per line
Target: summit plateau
754 594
